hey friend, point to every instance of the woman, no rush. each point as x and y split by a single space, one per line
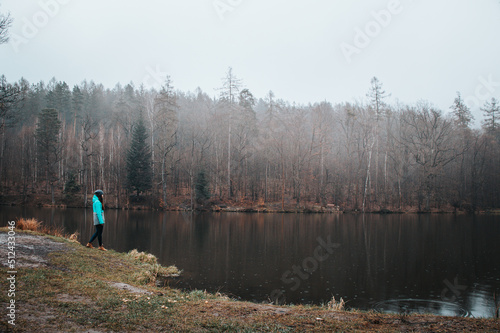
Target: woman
97 203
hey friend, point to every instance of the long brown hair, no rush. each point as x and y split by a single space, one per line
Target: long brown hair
99 196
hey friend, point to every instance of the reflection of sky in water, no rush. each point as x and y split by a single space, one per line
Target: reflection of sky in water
446 310
456 299
421 306
480 301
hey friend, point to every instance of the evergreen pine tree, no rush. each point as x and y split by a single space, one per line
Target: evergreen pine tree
461 113
491 111
48 145
201 188
71 185
139 169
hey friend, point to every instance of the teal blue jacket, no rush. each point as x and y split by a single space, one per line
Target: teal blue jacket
98 212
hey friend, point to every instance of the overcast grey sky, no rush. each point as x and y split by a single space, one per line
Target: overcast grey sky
305 51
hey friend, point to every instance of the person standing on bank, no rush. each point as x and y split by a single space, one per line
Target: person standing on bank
97 205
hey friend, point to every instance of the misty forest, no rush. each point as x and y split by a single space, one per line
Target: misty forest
168 149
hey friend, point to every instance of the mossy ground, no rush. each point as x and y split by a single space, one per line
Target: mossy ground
73 291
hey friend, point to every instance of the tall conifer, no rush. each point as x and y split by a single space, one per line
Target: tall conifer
139 169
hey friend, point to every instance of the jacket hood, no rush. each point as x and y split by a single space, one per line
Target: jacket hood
95 198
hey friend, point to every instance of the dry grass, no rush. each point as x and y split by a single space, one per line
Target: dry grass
336 306
144 257
74 237
152 270
28 224
34 225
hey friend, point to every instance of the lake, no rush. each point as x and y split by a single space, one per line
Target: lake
441 264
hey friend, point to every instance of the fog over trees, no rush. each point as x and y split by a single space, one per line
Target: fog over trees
169 148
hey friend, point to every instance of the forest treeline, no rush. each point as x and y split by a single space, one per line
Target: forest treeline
170 148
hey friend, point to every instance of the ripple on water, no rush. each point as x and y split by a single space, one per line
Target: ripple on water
421 306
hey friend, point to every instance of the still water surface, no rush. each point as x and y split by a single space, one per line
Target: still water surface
442 264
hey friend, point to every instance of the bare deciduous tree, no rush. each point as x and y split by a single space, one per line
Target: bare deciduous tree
429 138
5 23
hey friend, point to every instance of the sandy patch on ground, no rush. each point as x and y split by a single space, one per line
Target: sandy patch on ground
129 288
30 251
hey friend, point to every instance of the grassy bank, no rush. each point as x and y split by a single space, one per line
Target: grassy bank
63 286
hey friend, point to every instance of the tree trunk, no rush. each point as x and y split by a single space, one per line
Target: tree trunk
283 186
229 185
52 193
164 182
367 177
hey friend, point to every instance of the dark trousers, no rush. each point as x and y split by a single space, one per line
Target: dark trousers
98 234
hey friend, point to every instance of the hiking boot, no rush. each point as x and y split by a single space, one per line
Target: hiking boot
102 248
89 246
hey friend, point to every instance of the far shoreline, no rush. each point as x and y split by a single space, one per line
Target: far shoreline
306 209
